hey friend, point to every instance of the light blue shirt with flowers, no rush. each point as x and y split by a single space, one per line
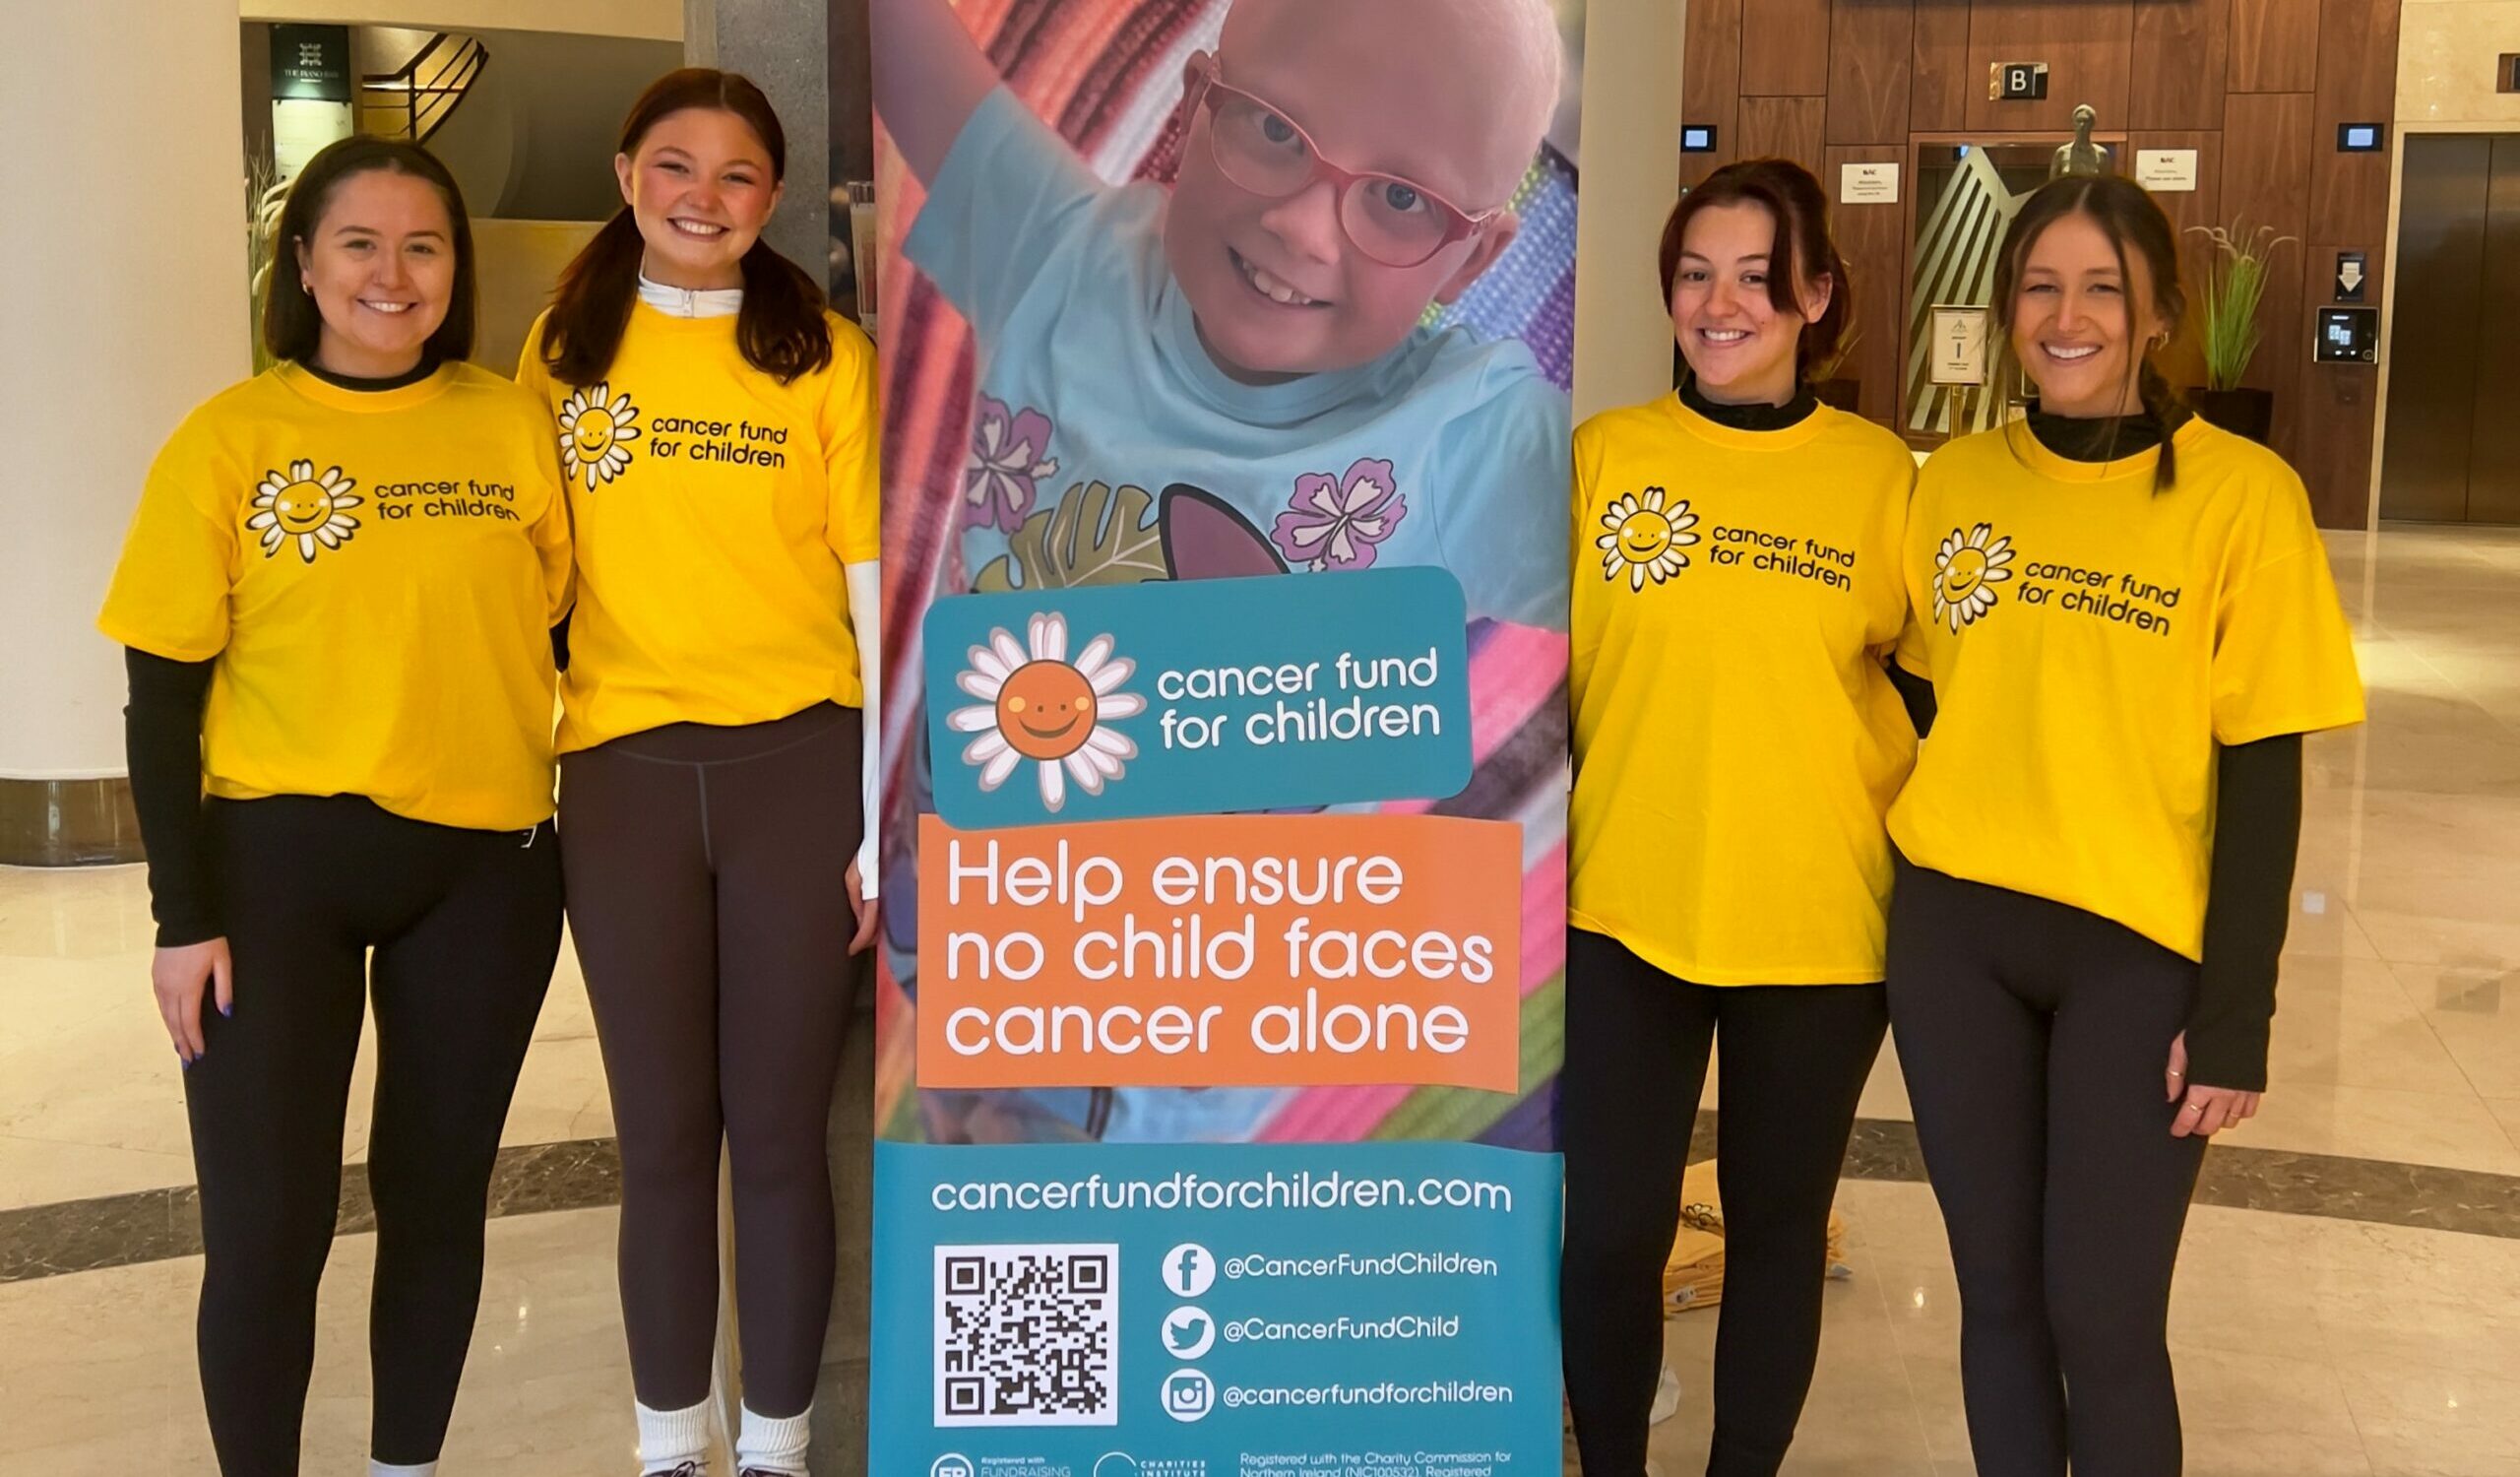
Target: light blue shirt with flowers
1096 396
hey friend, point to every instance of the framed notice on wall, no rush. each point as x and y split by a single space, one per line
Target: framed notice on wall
1957 351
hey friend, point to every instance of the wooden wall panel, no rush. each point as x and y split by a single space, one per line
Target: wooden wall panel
1873 241
2256 86
2184 364
2266 181
1870 64
2332 440
2087 45
1785 128
2349 207
2274 45
1711 82
2358 84
2182 52
1940 84
1784 49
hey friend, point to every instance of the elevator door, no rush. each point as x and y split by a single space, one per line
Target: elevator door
2452 449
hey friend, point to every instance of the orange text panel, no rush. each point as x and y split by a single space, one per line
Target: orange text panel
1221 951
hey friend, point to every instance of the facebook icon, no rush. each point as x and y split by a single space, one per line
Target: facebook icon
1189 1270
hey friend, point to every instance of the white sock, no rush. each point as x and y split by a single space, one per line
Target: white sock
667 1438
774 1446
377 1468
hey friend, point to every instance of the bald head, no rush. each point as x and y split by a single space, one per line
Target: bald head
1480 74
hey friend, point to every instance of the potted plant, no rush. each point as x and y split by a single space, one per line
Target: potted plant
2234 282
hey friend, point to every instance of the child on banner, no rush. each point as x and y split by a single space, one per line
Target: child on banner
1255 328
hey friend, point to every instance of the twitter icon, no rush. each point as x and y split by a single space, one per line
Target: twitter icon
1189 1332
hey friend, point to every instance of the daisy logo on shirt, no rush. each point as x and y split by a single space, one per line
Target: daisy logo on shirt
1035 704
1965 569
597 428
1645 537
299 505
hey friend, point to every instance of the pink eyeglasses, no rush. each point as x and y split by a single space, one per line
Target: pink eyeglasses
1396 221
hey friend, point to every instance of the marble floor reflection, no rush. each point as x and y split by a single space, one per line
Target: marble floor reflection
2339 1341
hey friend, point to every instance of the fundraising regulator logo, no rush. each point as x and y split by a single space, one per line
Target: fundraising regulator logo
1038 706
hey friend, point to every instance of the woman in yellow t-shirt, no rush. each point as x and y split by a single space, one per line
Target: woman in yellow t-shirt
718 431
1737 740
2128 622
337 596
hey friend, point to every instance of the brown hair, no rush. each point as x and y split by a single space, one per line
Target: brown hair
1801 209
2127 214
780 327
293 325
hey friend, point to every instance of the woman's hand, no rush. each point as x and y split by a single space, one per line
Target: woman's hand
2208 1110
177 974
864 910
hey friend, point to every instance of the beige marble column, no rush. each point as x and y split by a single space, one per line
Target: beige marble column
125 238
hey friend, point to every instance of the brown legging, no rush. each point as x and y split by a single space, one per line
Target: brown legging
707 892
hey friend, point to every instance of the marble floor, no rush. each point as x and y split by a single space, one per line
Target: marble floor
2342 1340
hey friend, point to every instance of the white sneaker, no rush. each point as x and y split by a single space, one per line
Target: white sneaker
1667 1395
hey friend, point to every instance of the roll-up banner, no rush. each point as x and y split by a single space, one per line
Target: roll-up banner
1227 349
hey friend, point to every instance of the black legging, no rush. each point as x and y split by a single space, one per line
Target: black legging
2035 1038
708 896
1793 1063
465 925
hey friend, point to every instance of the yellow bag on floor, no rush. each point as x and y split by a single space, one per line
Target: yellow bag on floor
1693 1278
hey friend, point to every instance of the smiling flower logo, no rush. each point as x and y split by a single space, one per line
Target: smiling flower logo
595 431
1966 570
1036 704
1645 537
297 504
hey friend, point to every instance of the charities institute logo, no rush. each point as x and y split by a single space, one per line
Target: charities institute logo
596 432
1966 570
1036 704
297 504
1645 538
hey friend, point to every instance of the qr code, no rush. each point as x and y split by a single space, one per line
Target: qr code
1028 1335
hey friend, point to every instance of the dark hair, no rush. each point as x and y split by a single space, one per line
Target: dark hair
2126 213
780 327
1801 209
293 325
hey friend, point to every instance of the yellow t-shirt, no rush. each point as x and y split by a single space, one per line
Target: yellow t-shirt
2091 641
377 573
1737 739
715 508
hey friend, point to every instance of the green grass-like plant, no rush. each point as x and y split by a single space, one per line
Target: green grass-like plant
2234 286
